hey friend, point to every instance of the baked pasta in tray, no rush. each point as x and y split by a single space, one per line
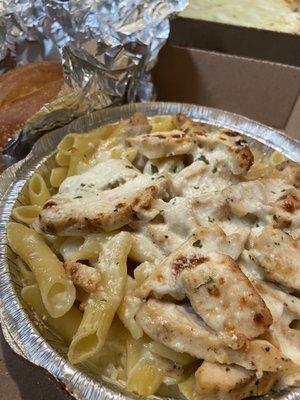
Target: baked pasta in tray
165 253
272 15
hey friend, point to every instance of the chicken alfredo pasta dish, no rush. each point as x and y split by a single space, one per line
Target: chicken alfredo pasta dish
166 252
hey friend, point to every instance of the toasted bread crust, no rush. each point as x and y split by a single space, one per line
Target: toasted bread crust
24 91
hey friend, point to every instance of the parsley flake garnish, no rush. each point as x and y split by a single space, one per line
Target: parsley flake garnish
215 169
78 197
196 187
154 169
197 244
209 280
204 159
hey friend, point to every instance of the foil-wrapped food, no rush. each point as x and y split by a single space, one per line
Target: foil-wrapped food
106 48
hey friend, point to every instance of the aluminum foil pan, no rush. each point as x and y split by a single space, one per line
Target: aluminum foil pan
28 336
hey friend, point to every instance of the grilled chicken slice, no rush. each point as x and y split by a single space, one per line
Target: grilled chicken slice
82 275
219 292
163 144
144 249
180 329
288 171
202 244
218 149
217 381
287 210
106 197
200 178
278 254
179 217
285 310
226 148
138 124
274 201
254 197
216 165
212 378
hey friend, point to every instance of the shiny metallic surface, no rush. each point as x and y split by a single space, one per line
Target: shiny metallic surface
27 335
107 49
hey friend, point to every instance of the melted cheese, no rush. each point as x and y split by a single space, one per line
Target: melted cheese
205 234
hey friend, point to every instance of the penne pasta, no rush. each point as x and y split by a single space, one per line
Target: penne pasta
38 191
115 344
57 176
82 297
161 123
143 249
165 352
27 275
79 147
65 326
75 159
62 158
58 292
143 271
104 302
188 388
129 153
67 143
145 371
257 171
26 214
83 248
276 158
128 309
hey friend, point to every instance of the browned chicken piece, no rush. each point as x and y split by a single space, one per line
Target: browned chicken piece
219 150
106 197
183 123
179 328
213 378
254 197
210 137
231 149
138 124
217 381
163 144
199 178
278 254
219 292
273 201
285 310
289 171
287 210
82 275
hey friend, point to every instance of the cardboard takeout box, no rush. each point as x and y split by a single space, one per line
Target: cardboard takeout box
239 77
263 91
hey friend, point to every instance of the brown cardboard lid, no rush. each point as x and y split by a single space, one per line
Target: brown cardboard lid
236 40
260 90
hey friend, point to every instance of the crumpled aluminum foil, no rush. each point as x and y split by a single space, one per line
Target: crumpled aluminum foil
107 48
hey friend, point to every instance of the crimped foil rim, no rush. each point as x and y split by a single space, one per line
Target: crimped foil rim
18 329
